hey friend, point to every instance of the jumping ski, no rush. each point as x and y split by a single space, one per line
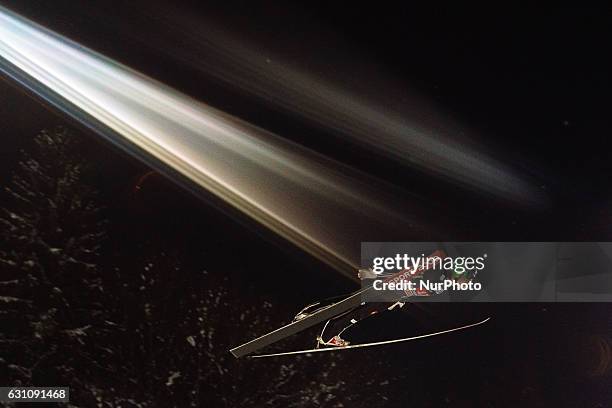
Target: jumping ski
373 344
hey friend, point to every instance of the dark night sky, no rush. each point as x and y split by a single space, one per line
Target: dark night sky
532 83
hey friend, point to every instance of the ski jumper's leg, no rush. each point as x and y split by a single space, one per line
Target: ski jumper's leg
337 325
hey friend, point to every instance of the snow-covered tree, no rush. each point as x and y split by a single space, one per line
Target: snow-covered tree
51 229
182 321
148 328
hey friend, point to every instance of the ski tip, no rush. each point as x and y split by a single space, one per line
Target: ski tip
236 352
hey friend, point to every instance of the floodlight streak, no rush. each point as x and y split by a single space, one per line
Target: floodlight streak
310 200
